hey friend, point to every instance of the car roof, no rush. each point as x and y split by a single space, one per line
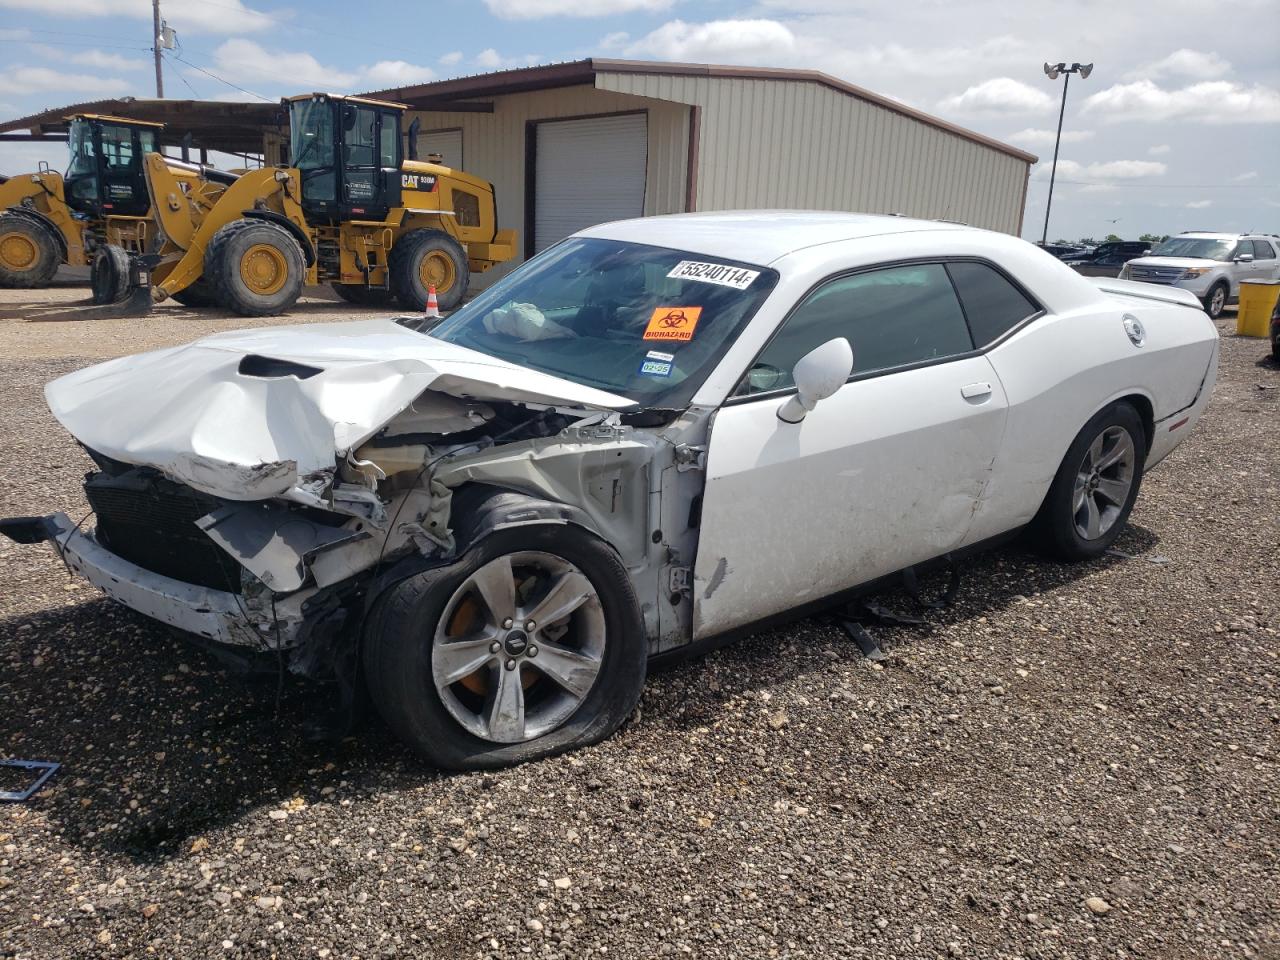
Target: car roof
1206 235
759 236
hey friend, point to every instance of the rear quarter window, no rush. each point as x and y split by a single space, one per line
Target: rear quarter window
992 304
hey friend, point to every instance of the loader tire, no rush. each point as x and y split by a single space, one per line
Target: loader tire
254 268
29 254
197 294
422 258
109 274
363 296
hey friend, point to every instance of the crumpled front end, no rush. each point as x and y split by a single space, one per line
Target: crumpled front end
256 506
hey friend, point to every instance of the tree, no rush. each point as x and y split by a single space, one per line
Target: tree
1152 238
1111 237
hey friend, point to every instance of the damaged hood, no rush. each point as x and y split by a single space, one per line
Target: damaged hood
244 415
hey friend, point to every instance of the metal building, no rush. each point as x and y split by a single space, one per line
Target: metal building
579 143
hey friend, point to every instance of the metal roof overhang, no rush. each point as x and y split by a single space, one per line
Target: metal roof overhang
213 125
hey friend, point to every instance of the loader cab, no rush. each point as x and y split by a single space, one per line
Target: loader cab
106 175
347 151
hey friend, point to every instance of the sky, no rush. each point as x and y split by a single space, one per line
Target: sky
1177 128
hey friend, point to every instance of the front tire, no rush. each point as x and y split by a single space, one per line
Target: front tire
29 254
1215 301
197 294
424 258
255 268
458 673
1095 487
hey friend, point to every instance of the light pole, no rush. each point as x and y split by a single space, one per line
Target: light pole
1051 71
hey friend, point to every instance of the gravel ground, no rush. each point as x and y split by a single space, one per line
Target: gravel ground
1105 731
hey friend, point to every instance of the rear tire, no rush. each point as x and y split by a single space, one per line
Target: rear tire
363 296
1216 299
255 268
1095 487
457 724
197 294
29 252
109 275
422 257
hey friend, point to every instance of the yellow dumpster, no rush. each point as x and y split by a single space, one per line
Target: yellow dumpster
1257 303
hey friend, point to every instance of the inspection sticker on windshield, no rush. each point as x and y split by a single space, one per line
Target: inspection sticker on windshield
717 273
672 323
657 364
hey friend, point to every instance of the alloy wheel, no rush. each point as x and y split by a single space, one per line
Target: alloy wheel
518 647
1103 482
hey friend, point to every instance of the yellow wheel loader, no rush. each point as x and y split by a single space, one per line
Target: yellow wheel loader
47 219
350 211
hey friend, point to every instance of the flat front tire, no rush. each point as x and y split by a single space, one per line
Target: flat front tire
530 645
1095 487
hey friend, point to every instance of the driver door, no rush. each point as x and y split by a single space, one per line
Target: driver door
886 473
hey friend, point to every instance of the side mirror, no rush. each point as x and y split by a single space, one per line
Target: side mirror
817 375
1245 258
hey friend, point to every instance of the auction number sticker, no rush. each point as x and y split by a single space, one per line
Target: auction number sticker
656 364
672 323
717 273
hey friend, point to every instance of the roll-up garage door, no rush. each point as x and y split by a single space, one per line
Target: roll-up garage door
587 172
447 143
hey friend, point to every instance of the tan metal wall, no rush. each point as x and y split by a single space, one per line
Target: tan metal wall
494 143
781 143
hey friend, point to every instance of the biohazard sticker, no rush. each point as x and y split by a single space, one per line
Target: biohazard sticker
672 323
720 274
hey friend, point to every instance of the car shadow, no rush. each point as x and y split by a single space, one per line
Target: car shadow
159 741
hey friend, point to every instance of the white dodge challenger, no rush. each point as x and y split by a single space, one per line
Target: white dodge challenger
655 433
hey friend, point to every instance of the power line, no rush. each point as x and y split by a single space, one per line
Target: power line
221 80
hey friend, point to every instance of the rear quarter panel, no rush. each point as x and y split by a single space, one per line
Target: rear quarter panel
1062 369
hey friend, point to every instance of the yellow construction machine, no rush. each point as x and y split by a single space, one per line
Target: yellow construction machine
47 219
350 210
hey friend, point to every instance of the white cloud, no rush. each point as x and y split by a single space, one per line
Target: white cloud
1159 150
226 17
491 59
1103 171
1199 204
1242 177
247 63
20 80
537 9
1183 63
1213 102
716 40
999 95
615 40
452 57
397 73
90 58
1036 137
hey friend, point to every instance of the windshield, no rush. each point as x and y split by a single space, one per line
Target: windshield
80 141
1200 248
311 134
645 322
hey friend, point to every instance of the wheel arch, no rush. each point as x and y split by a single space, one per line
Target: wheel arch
280 220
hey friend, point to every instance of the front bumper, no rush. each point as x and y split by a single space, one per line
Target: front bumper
216 615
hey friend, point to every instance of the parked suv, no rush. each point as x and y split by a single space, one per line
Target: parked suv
1210 265
1106 259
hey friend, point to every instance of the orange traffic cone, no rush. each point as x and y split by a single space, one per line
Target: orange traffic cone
433 308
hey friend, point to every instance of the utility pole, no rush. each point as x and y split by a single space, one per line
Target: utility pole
1051 71
156 48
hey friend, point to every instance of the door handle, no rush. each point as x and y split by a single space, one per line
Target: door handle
976 392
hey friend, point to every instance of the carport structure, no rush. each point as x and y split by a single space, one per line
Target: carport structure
252 131
573 144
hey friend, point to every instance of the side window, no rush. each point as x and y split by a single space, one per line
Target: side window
1262 250
389 147
891 317
992 305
